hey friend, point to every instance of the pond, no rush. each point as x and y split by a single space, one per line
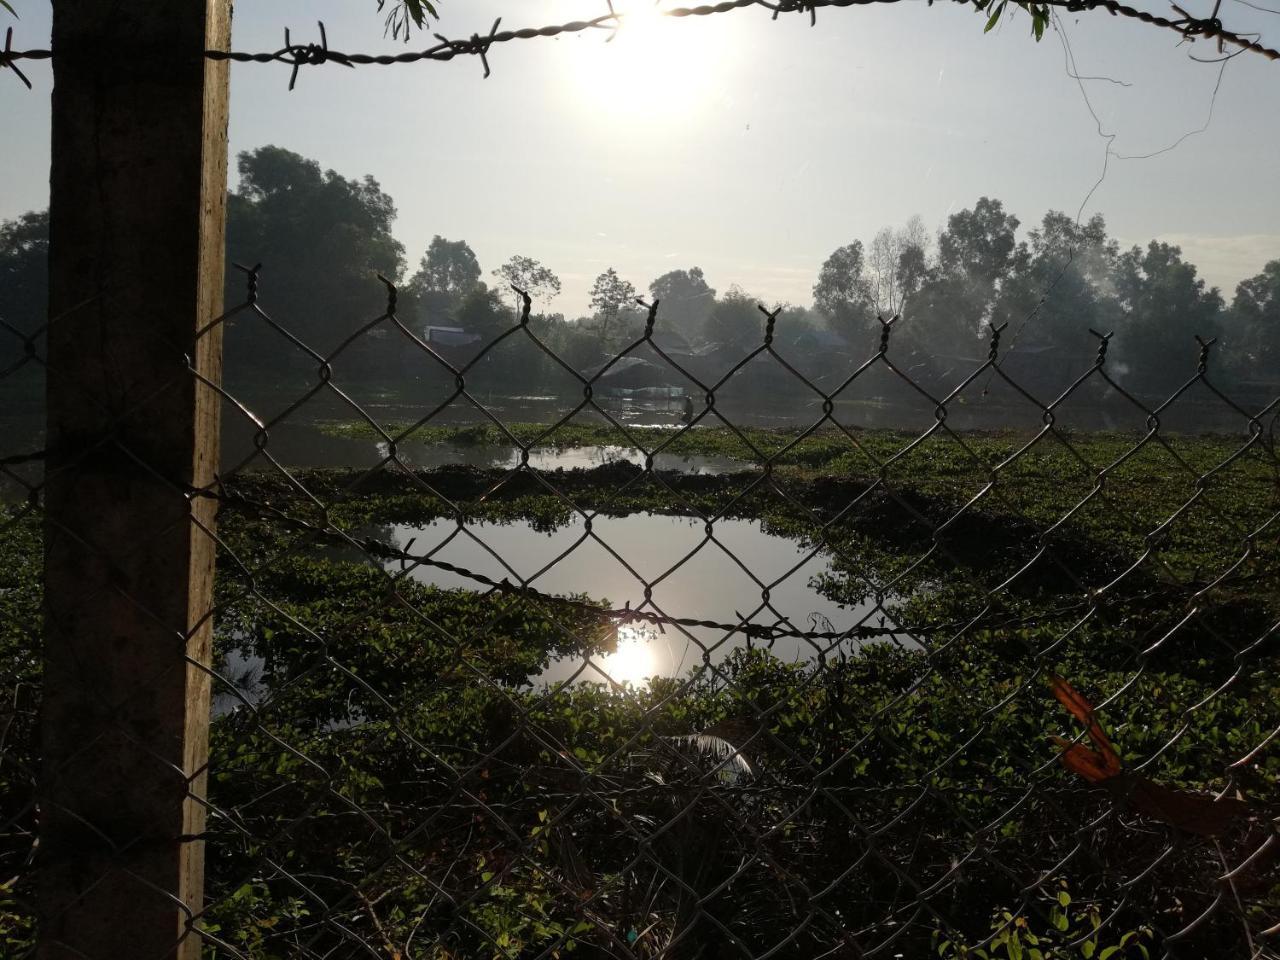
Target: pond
305 444
720 577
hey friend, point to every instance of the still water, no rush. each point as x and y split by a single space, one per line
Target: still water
720 577
307 445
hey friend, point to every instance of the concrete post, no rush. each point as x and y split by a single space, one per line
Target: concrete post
137 212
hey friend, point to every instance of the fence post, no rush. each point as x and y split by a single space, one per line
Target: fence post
137 214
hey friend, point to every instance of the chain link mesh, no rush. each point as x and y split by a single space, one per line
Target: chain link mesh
945 692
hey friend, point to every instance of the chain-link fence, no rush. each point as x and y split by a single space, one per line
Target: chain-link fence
669 655
623 646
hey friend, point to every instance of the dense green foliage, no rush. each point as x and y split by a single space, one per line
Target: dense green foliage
321 239
437 801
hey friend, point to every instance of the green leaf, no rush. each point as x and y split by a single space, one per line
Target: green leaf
1109 951
418 10
995 16
9 7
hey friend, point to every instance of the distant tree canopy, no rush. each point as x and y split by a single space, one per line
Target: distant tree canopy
447 272
843 293
322 240
735 320
1163 305
24 283
610 295
1256 310
527 274
686 299
1048 291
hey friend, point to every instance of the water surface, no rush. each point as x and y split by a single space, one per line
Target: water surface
736 573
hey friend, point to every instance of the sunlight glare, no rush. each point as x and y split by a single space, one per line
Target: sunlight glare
633 661
653 68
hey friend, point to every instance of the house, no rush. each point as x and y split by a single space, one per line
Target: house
447 337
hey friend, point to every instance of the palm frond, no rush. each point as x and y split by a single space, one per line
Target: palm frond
731 761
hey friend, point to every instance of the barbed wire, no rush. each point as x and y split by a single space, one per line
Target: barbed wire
299 55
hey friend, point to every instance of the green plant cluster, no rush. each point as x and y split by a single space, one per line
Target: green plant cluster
393 771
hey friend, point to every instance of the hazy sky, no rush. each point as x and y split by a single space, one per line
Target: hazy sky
748 147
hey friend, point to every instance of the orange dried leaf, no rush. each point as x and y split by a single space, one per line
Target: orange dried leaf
1080 760
1082 710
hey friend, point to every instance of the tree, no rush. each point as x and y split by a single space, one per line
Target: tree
686 299
322 240
446 273
24 283
1255 318
735 320
483 313
843 293
896 265
978 252
609 294
1062 290
527 274
1163 307
981 244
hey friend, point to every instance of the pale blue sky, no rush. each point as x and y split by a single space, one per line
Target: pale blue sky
759 146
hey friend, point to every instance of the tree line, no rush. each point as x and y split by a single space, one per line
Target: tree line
325 238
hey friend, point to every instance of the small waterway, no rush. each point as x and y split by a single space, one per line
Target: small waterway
720 577
308 445
724 576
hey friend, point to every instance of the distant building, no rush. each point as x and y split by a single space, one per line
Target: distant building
449 336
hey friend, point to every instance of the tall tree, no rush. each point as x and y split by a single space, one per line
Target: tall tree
1163 307
609 294
981 244
1255 319
447 272
844 294
896 265
483 313
978 253
322 240
1062 289
735 320
24 283
686 299
527 274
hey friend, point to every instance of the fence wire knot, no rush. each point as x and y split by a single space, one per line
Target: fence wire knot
8 58
310 54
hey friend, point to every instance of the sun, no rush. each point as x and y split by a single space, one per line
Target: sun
633 661
654 67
